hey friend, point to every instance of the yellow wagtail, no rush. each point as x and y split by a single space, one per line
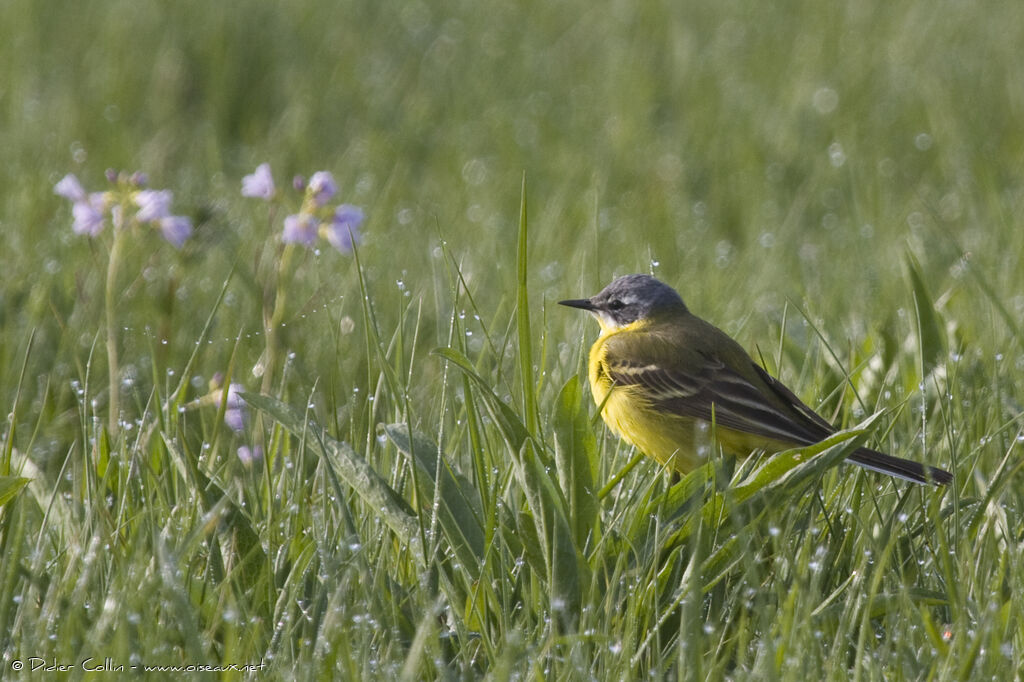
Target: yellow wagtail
663 374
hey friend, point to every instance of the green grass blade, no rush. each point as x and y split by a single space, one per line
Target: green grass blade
512 427
523 321
930 329
576 459
10 486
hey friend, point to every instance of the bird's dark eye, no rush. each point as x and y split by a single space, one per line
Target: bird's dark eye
615 304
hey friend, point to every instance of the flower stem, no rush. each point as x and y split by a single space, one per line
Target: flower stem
272 322
109 303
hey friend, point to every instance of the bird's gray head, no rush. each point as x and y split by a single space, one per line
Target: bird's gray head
628 299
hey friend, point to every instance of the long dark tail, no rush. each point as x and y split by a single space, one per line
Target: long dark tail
900 468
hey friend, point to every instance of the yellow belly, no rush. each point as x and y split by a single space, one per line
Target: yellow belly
676 442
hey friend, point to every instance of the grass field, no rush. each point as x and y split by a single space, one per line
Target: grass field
420 487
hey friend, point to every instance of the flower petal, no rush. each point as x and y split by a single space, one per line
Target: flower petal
70 188
300 229
176 229
250 455
322 187
260 184
88 215
154 204
343 229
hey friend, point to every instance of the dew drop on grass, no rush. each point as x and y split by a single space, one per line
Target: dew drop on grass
836 155
825 100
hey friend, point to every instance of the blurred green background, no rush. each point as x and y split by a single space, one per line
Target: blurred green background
758 156
731 142
750 154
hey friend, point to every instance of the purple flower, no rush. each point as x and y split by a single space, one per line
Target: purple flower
153 204
88 215
176 229
250 455
343 229
322 187
235 415
300 229
70 188
260 184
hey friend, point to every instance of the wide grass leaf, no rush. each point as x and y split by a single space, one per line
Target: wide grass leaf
771 485
340 460
564 563
459 513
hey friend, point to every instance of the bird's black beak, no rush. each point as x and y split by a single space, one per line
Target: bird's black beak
581 303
